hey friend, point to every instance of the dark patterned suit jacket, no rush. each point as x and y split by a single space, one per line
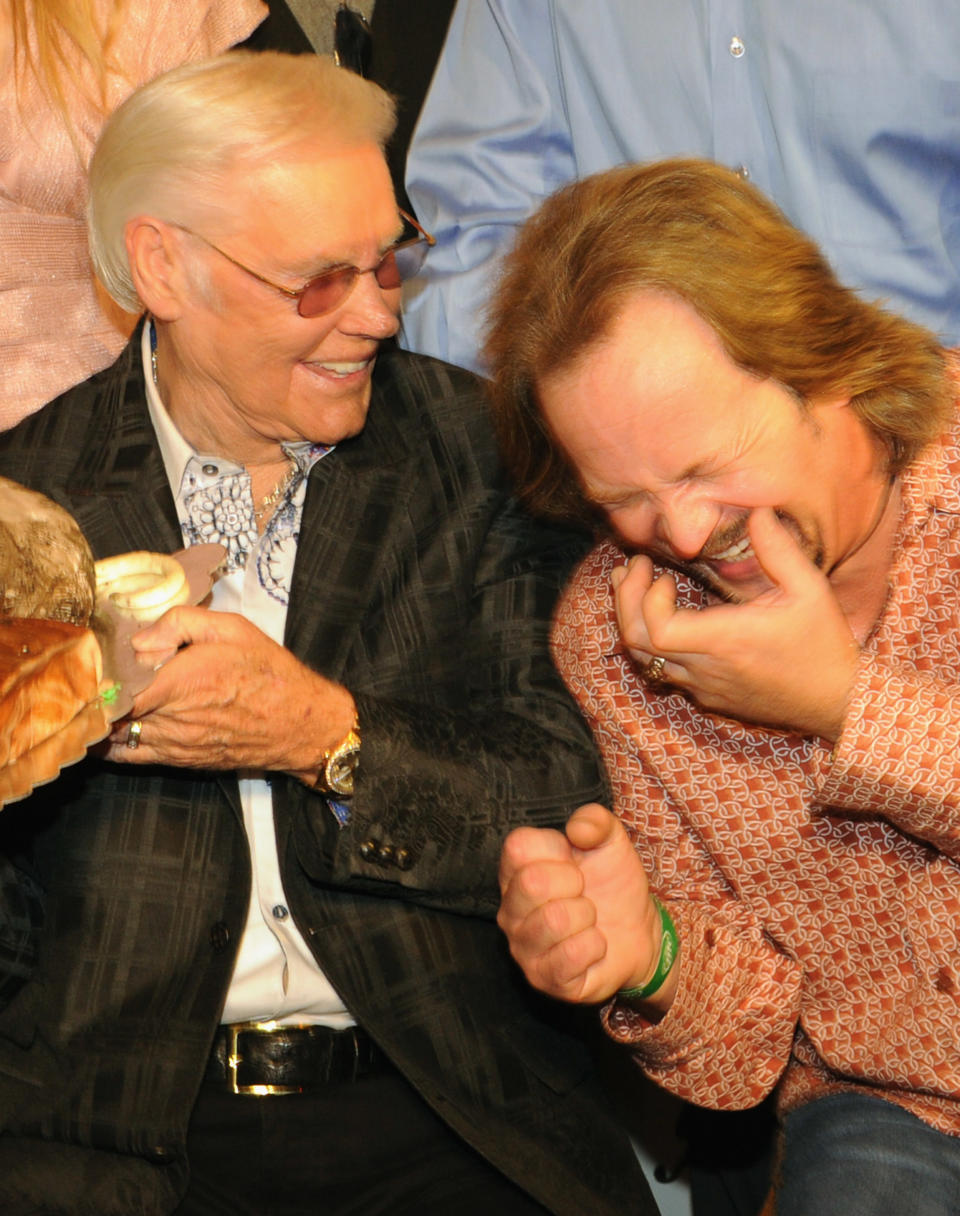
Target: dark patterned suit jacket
420 587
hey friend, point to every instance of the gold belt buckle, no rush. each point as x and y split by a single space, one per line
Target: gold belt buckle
234 1059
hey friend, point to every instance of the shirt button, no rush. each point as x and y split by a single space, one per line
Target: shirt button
742 172
280 912
736 47
211 470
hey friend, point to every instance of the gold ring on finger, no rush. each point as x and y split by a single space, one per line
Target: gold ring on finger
653 672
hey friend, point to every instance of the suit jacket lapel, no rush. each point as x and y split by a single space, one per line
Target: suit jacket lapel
354 498
119 493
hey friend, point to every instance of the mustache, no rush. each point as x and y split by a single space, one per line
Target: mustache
700 569
722 539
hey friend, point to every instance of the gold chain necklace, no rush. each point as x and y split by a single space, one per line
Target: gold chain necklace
276 494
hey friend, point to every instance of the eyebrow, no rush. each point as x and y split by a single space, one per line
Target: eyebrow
697 469
617 495
313 270
600 498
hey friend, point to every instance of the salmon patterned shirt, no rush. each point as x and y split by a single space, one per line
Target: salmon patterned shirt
816 892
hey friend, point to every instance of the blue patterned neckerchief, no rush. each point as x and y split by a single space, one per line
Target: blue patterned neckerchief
215 504
218 507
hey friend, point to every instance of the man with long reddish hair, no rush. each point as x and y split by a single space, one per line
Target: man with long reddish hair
767 645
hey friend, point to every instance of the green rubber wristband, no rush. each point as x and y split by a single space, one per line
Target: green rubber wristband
669 949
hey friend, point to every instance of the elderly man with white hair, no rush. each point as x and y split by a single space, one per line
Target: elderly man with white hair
268 977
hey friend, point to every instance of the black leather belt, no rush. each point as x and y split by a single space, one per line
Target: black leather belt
262 1058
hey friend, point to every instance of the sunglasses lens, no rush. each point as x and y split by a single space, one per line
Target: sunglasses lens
387 273
409 259
325 292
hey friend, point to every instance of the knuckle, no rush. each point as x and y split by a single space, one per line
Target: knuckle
532 883
556 918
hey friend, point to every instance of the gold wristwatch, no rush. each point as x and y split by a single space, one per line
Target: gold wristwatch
340 763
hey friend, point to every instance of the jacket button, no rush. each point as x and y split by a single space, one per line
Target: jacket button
368 849
404 858
385 854
220 936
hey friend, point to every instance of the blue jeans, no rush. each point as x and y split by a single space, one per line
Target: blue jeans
854 1155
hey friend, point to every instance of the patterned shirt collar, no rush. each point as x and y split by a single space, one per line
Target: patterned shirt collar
213 494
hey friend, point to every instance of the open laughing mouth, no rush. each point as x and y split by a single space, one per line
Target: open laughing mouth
736 552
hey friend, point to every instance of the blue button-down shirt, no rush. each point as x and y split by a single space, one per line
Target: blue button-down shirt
846 112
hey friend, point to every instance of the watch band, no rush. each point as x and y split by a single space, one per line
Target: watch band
340 763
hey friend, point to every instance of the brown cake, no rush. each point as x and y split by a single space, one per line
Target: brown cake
50 663
49 670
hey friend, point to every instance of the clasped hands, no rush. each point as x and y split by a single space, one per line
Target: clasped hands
786 658
226 696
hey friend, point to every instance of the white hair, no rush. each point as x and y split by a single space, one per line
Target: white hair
168 149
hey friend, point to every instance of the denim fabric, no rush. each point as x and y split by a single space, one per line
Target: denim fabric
854 1155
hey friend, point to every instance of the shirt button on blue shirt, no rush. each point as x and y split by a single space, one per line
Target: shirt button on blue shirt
736 47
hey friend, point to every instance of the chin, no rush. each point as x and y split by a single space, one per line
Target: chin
332 423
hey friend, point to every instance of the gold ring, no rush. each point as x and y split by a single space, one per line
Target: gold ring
653 672
133 734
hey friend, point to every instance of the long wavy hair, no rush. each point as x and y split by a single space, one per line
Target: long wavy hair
698 232
67 34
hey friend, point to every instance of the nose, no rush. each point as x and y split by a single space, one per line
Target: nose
370 310
685 522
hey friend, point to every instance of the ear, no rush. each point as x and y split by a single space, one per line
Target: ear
155 265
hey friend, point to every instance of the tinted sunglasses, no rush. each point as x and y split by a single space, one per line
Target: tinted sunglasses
329 289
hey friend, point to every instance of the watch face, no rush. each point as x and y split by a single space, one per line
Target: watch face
342 765
340 774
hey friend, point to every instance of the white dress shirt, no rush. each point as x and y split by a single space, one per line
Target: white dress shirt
275 977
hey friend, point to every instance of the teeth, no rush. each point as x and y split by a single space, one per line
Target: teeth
735 552
344 369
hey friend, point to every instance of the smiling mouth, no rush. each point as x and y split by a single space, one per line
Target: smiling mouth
738 551
342 370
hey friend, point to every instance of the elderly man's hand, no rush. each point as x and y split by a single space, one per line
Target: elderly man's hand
576 908
230 698
787 658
